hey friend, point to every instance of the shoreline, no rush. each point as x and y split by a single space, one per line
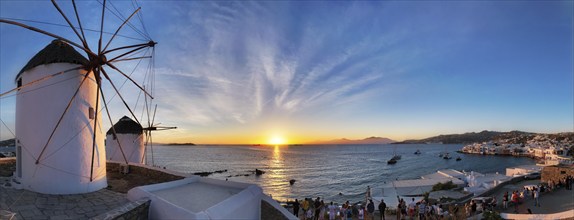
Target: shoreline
113 169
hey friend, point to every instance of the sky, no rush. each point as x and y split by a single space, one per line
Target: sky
248 72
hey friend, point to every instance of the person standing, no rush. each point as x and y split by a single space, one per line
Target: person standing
317 208
343 211
493 204
305 206
332 209
505 200
514 199
536 194
399 210
403 208
383 207
296 208
349 213
472 207
422 209
371 209
412 208
361 214
323 210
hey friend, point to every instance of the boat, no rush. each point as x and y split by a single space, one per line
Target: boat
447 157
395 157
458 159
418 151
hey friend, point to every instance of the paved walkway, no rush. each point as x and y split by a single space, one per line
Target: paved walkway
559 200
31 205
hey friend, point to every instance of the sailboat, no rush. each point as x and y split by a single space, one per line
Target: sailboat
395 157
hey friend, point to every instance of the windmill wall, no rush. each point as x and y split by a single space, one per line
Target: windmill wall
66 164
131 144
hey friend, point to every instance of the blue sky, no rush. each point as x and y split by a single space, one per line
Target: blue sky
243 72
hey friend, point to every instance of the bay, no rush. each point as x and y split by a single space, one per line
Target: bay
326 170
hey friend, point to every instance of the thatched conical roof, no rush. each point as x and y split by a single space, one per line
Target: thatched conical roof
56 52
126 126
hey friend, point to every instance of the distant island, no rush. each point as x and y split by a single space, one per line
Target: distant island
176 144
342 141
8 143
519 137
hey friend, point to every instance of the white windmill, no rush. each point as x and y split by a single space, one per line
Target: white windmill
127 143
59 98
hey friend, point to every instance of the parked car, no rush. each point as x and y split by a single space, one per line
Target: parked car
532 176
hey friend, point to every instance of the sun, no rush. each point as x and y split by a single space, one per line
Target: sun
277 140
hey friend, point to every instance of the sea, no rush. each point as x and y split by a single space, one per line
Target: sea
333 172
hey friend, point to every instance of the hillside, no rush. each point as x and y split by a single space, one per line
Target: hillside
8 143
369 140
473 137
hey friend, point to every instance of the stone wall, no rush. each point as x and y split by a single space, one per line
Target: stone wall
136 176
137 210
150 173
556 173
269 212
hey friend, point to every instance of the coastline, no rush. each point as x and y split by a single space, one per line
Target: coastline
142 176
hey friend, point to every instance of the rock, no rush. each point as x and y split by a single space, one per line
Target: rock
259 172
203 174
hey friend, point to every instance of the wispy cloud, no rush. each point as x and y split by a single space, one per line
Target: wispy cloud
240 64
238 61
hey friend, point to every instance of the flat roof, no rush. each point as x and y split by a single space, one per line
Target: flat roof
452 173
434 176
196 196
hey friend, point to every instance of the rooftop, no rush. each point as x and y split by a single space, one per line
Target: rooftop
204 195
57 51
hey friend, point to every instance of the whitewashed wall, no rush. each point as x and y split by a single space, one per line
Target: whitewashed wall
132 145
64 168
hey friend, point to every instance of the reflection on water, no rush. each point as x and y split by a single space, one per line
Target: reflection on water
276 178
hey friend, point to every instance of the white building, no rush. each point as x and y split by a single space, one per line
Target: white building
479 183
130 137
54 147
204 198
522 170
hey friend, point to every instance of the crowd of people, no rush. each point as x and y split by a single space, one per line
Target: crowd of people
422 210
309 209
317 209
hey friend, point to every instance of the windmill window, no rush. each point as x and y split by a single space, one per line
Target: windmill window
91 113
19 82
